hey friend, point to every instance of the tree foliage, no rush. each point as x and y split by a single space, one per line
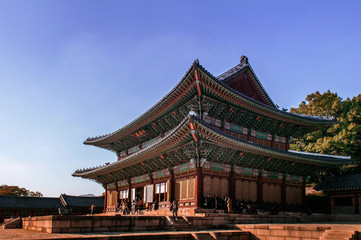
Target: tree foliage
17 191
344 137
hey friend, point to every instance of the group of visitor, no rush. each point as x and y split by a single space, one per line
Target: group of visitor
246 208
217 202
225 204
127 206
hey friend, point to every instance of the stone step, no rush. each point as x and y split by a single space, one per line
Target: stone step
179 224
203 236
12 223
337 234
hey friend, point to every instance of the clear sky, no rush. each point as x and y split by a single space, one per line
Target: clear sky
74 69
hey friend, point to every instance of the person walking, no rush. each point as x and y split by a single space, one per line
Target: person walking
174 209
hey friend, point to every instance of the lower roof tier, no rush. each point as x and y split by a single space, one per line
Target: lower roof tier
197 141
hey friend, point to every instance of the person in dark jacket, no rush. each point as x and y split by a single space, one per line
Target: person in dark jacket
174 209
207 201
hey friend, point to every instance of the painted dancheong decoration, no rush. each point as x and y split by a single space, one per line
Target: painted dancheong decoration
211 135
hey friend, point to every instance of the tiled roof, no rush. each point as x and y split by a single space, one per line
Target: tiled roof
8 201
340 183
163 143
75 201
241 67
154 111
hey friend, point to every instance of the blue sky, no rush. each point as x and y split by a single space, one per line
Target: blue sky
74 69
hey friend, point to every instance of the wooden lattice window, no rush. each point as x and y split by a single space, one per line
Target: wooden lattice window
160 190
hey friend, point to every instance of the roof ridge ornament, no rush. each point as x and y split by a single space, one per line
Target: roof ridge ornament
244 59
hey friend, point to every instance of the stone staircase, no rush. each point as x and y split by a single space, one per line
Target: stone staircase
12 223
204 236
339 235
181 224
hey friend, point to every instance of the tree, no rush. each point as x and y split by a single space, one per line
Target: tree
17 191
344 137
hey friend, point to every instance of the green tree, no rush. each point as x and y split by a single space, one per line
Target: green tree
344 137
17 191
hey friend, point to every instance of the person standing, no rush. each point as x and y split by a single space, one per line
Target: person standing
225 202
216 201
229 205
133 206
92 209
174 209
207 201
124 208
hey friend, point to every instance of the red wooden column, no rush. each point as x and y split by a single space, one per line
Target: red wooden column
199 187
304 194
232 186
172 186
105 200
283 191
151 181
129 180
357 203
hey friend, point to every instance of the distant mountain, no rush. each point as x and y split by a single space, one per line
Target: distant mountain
87 195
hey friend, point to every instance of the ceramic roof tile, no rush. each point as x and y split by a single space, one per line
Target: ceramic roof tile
340 183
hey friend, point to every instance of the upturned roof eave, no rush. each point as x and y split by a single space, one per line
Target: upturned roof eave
159 144
242 144
143 119
150 111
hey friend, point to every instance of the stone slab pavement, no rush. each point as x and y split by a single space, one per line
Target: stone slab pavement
17 234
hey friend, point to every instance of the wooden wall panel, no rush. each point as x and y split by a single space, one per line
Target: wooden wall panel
223 187
215 186
112 198
277 193
298 195
238 189
191 188
245 191
253 192
266 191
207 185
177 190
184 189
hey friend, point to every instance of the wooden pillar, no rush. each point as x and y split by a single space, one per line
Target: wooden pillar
150 175
232 186
304 194
105 200
259 190
171 191
118 195
283 192
199 187
357 203
130 189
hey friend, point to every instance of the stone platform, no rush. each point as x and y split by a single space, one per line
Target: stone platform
206 225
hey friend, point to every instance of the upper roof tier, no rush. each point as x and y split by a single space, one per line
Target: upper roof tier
238 88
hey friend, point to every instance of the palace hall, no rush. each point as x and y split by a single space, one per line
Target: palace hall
211 135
